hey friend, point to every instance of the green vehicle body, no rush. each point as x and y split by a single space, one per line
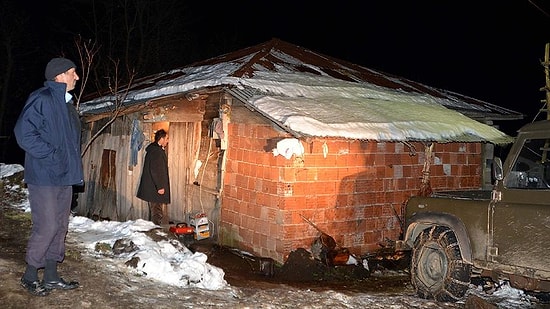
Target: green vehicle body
502 234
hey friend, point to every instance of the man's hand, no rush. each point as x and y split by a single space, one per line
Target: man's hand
161 191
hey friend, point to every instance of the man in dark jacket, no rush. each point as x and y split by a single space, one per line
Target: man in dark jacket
48 130
154 186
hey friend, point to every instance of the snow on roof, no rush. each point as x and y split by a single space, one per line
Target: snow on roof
315 95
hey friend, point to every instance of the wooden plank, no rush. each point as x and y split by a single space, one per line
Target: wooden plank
177 111
177 165
166 103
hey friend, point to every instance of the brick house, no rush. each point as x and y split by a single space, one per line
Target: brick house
264 137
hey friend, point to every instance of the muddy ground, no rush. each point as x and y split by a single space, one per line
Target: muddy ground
105 288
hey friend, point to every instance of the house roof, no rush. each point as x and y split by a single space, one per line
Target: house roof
311 94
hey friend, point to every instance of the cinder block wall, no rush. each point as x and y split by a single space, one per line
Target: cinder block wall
355 192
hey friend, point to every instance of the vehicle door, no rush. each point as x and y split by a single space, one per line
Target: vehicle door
521 219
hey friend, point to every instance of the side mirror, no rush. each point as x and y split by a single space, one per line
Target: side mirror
497 169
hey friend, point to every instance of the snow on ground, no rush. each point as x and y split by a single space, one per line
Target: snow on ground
168 262
165 261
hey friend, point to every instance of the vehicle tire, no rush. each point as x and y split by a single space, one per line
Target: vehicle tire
437 269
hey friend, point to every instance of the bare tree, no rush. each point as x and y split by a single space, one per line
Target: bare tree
87 51
145 36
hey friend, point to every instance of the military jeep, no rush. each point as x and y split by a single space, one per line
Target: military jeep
501 234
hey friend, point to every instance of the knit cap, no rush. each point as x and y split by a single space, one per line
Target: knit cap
57 66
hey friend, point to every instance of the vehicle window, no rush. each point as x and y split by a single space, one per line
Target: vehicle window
532 167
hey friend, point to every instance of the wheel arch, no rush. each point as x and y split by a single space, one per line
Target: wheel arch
421 221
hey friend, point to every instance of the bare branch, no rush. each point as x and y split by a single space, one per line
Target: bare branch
119 98
87 51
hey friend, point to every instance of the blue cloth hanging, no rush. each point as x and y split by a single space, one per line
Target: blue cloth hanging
136 142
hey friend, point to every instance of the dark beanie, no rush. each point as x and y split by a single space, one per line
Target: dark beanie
57 66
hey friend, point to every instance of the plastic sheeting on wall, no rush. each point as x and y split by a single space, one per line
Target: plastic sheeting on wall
288 147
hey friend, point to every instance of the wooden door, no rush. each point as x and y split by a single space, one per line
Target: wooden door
183 146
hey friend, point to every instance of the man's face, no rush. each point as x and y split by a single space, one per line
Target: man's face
163 141
69 77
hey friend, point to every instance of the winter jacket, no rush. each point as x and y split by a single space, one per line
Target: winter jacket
154 176
48 130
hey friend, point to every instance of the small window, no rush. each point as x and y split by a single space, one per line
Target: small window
531 169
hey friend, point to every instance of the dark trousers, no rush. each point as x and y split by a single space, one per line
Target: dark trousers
158 213
50 211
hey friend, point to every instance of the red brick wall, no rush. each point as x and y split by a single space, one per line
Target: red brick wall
355 193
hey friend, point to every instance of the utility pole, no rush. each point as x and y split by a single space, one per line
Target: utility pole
547 74
546 88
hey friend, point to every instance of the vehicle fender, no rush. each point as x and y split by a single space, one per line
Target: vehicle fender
421 221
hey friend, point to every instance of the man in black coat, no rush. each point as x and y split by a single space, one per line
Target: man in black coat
154 186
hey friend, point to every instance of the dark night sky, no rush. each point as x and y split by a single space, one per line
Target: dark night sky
491 51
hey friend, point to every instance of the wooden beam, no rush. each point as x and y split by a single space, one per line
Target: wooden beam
176 110
181 108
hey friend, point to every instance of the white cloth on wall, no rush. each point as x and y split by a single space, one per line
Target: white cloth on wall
288 147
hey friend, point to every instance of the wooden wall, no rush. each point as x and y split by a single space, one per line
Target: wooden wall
114 199
112 182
